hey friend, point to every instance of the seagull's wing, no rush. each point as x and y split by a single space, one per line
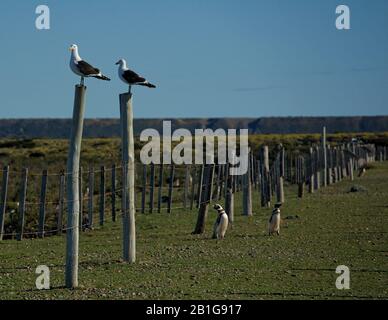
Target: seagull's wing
132 77
87 69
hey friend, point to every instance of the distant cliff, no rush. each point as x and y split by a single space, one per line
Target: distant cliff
60 128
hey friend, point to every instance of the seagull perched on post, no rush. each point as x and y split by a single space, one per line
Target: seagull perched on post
130 77
82 68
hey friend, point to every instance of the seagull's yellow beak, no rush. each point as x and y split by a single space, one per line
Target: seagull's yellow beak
71 49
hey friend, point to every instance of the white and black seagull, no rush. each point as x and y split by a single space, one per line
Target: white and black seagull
82 68
130 77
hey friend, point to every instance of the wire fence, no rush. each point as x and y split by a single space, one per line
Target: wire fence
188 187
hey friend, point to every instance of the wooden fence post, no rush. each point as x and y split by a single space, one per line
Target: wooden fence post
324 157
265 181
113 195
144 189
170 188
160 189
218 182
229 204
22 207
351 166
336 169
317 172
280 190
61 203
209 195
102 195
221 192
193 188
72 234
4 191
42 205
311 171
301 182
330 166
203 203
90 197
186 187
128 155
152 187
247 192
200 184
81 198
229 196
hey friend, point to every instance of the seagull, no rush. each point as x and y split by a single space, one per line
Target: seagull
82 68
130 77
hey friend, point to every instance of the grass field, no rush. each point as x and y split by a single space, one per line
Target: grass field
335 227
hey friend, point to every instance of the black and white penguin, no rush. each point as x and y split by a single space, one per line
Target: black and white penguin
274 220
221 224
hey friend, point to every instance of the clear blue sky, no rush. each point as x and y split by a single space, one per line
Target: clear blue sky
209 58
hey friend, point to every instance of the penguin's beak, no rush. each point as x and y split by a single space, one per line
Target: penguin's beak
118 62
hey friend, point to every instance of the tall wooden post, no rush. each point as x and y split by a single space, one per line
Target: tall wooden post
317 179
61 203
301 177
81 202
22 206
113 196
193 188
311 171
90 197
229 195
144 189
102 195
280 190
200 184
265 180
247 191
42 205
72 234
329 165
186 189
160 189
204 202
128 156
170 188
218 182
351 166
152 187
324 157
4 191
229 204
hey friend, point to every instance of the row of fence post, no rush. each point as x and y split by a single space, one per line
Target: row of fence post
323 165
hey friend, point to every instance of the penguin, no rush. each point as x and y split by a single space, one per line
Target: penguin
274 220
221 224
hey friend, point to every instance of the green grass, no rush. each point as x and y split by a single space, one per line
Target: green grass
335 227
